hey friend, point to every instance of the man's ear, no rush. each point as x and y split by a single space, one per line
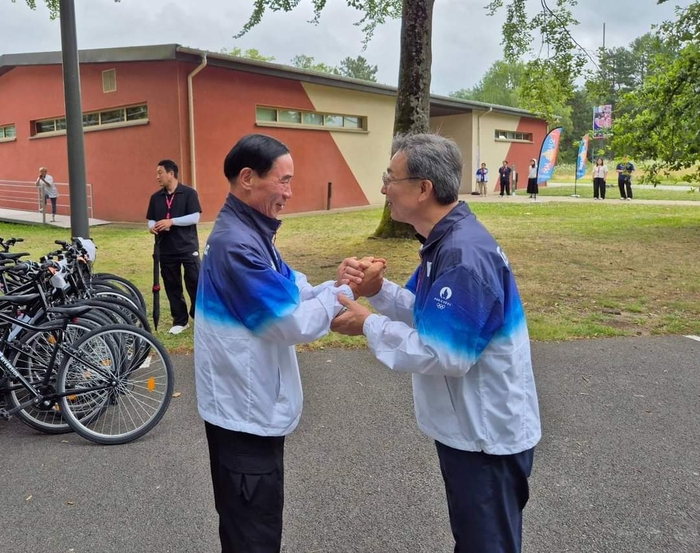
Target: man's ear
426 188
245 178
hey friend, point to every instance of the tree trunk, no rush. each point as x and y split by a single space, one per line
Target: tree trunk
413 98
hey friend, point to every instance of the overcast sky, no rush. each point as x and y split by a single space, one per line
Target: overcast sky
465 40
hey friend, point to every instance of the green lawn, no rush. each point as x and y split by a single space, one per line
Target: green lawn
566 172
584 270
585 190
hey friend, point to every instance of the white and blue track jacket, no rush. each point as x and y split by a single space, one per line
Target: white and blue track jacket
251 310
460 328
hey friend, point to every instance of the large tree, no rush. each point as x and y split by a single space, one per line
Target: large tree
250 53
303 61
358 68
661 120
500 85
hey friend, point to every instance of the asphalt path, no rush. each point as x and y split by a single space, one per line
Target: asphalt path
618 468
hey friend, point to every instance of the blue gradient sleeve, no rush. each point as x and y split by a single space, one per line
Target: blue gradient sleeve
244 289
461 314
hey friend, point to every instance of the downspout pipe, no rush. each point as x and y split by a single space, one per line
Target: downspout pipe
478 136
190 101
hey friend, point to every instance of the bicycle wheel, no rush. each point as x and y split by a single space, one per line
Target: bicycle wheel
32 361
123 284
122 376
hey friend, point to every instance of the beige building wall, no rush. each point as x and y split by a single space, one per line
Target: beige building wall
366 153
486 147
459 129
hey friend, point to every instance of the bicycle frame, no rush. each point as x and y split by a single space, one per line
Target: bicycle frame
8 369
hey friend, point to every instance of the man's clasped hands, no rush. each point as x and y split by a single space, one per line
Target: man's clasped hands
365 277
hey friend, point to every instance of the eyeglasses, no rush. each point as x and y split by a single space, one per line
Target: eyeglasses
387 180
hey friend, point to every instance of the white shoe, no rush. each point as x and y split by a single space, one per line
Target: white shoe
178 328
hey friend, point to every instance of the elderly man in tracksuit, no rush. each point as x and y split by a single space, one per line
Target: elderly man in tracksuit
251 310
459 327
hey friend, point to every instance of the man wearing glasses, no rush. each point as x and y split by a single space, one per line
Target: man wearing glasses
459 326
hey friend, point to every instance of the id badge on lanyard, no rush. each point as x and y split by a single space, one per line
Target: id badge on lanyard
169 203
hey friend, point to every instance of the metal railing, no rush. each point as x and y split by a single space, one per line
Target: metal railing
26 196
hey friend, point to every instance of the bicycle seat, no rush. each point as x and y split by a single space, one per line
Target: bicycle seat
12 255
69 311
23 299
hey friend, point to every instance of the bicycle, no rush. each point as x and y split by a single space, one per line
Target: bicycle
113 384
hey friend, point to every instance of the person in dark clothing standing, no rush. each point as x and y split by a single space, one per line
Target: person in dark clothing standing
624 178
173 214
504 173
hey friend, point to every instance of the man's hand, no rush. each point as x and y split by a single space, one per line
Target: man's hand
364 276
163 224
351 321
372 279
350 271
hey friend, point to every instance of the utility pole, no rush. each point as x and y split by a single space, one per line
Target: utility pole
75 140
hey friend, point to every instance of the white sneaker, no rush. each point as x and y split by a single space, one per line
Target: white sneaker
178 328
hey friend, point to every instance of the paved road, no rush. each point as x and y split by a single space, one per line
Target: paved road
618 469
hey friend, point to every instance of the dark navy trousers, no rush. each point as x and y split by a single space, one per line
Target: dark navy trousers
486 495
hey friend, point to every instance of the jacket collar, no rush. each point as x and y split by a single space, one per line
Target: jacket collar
252 217
459 212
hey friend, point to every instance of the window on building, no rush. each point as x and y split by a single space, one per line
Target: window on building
7 132
109 80
96 119
309 119
513 136
287 116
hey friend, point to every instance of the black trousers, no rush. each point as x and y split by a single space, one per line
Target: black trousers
172 272
599 188
247 472
625 187
505 186
486 495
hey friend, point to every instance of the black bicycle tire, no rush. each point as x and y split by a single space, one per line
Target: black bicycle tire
132 435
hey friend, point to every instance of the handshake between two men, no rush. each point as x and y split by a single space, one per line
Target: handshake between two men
365 277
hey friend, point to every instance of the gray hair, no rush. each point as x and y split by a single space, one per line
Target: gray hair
434 158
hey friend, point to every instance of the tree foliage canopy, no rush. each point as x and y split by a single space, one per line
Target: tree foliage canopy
500 85
250 53
661 119
52 5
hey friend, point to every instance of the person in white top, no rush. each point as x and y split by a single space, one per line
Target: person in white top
600 173
532 187
45 181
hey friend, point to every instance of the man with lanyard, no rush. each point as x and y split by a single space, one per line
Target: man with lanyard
459 326
173 214
504 173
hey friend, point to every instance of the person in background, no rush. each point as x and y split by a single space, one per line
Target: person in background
504 174
600 174
624 178
532 187
50 192
482 179
173 214
459 327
